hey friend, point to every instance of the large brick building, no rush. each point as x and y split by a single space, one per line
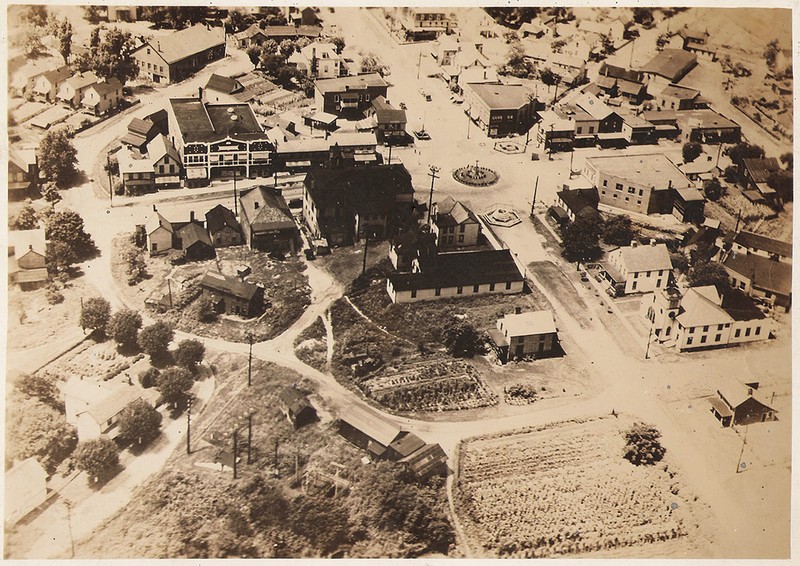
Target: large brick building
500 110
172 58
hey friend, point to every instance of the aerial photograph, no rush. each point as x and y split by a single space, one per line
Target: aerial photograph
398 282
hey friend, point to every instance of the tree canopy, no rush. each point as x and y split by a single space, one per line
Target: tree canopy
618 230
460 338
581 239
189 353
712 189
112 56
139 422
123 327
691 151
174 384
57 156
707 273
95 313
154 339
36 429
98 457
27 219
67 227
742 151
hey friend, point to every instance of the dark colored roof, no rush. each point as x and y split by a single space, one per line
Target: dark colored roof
426 460
460 269
371 189
371 423
739 306
227 85
356 82
291 31
265 209
760 169
754 241
140 127
105 87
185 43
764 273
406 444
581 202
59 75
451 212
386 113
620 73
191 234
229 285
210 122
219 217
671 64
294 400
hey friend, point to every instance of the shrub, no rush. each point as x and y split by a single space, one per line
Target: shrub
189 354
155 339
691 151
203 310
460 338
99 458
642 445
149 377
53 295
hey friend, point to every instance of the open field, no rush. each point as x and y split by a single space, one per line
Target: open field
565 489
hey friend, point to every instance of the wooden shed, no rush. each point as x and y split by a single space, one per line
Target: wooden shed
297 407
737 404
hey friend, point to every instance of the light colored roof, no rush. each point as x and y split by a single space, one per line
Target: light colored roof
452 212
501 97
81 80
704 118
265 209
371 423
85 390
593 105
530 323
679 92
113 403
651 169
107 86
185 43
156 220
736 393
130 163
160 146
671 64
703 164
645 257
356 82
24 240
701 306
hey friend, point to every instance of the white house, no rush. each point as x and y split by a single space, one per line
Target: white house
72 90
522 335
641 268
159 233
79 394
25 490
101 417
319 60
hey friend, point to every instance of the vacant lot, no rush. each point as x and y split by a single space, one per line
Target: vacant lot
311 345
565 489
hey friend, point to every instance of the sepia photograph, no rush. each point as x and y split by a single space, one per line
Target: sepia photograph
384 282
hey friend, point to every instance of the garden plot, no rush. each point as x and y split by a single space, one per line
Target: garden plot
431 385
97 361
566 489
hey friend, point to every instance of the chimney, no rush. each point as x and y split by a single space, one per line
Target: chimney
634 243
158 46
191 216
517 310
749 391
670 183
653 242
200 93
154 208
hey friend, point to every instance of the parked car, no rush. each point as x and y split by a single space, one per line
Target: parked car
426 95
403 106
422 135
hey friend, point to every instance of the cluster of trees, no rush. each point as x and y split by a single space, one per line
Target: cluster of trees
174 17
461 338
110 54
581 239
57 156
69 241
642 445
271 57
512 17
239 20
781 181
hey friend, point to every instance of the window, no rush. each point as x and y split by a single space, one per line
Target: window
658 283
703 339
719 327
660 272
459 290
438 292
747 332
705 328
619 186
615 195
476 288
154 247
591 129
491 286
603 192
161 169
366 97
461 238
336 98
633 287
161 68
605 182
639 202
148 51
636 275
641 192
579 130
508 285
758 330
689 341
648 274
691 330
462 228
631 190
738 333
627 199
414 294
717 338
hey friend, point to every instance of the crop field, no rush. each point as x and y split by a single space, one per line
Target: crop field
566 489
431 385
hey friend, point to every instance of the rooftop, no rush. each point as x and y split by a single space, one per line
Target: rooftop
204 122
373 189
704 118
407 443
192 233
229 285
355 82
651 170
620 73
386 113
452 213
226 85
502 97
646 257
760 169
265 209
219 217
755 241
735 393
370 423
592 105
581 202
680 92
113 403
671 64
294 400
460 269
24 240
529 323
156 221
701 306
773 276
182 44
81 80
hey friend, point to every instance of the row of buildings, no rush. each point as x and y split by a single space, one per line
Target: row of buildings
84 91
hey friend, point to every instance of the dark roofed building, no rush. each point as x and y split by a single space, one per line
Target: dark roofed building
221 89
267 222
232 295
193 239
457 274
223 227
737 404
498 109
172 58
756 173
607 70
343 204
752 243
454 224
579 203
367 429
351 95
428 461
707 126
297 408
670 64
390 121
761 277
404 445
140 132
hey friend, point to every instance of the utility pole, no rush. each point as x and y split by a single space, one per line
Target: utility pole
719 152
68 505
235 448
169 290
110 184
630 63
250 360
649 337
419 63
535 188
189 427
366 245
469 119
571 156
235 200
555 92
390 154
433 177
741 453
250 436
738 216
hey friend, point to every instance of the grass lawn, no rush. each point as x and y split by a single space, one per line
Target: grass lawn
153 286
345 264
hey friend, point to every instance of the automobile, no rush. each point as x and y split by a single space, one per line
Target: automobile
309 254
422 135
534 157
584 277
403 106
426 95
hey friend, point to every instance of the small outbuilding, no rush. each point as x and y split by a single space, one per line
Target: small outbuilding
521 335
428 461
737 404
233 296
223 227
367 429
297 407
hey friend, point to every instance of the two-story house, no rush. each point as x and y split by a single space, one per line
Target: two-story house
639 268
223 227
232 295
319 61
46 85
500 110
390 122
23 173
103 96
349 95
72 90
524 335
454 224
267 221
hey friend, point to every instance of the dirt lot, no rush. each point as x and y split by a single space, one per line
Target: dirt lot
311 346
565 489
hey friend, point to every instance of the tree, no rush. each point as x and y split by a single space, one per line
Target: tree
618 230
742 151
114 57
782 182
203 309
788 160
643 17
95 313
254 54
27 219
679 261
512 17
642 445
286 48
581 239
371 63
123 327
92 14
338 41
691 151
33 45
154 339
238 21
707 273
149 377
59 257
189 353
38 430
99 458
517 65
36 15
270 47
57 156
712 189
549 78
771 53
139 422
50 192
64 38
460 338
41 387
173 384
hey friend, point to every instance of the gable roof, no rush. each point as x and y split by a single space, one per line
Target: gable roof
460 269
739 306
735 393
581 202
529 323
23 241
370 423
216 281
386 113
160 146
220 217
592 105
187 42
58 75
81 80
453 213
355 82
112 404
701 306
265 209
157 221
426 460
85 390
106 87
367 190
646 257
760 169
671 64
294 400
406 444
191 233
764 273
133 162
679 92
227 85
753 241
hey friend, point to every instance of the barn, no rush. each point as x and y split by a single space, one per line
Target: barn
737 404
368 430
297 407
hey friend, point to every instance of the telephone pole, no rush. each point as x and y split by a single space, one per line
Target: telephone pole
744 441
366 246
433 175
533 202
235 200
189 427
250 360
235 449
249 436
110 184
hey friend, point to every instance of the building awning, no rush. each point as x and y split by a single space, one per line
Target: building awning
32 275
611 272
298 164
611 136
498 338
364 157
720 407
